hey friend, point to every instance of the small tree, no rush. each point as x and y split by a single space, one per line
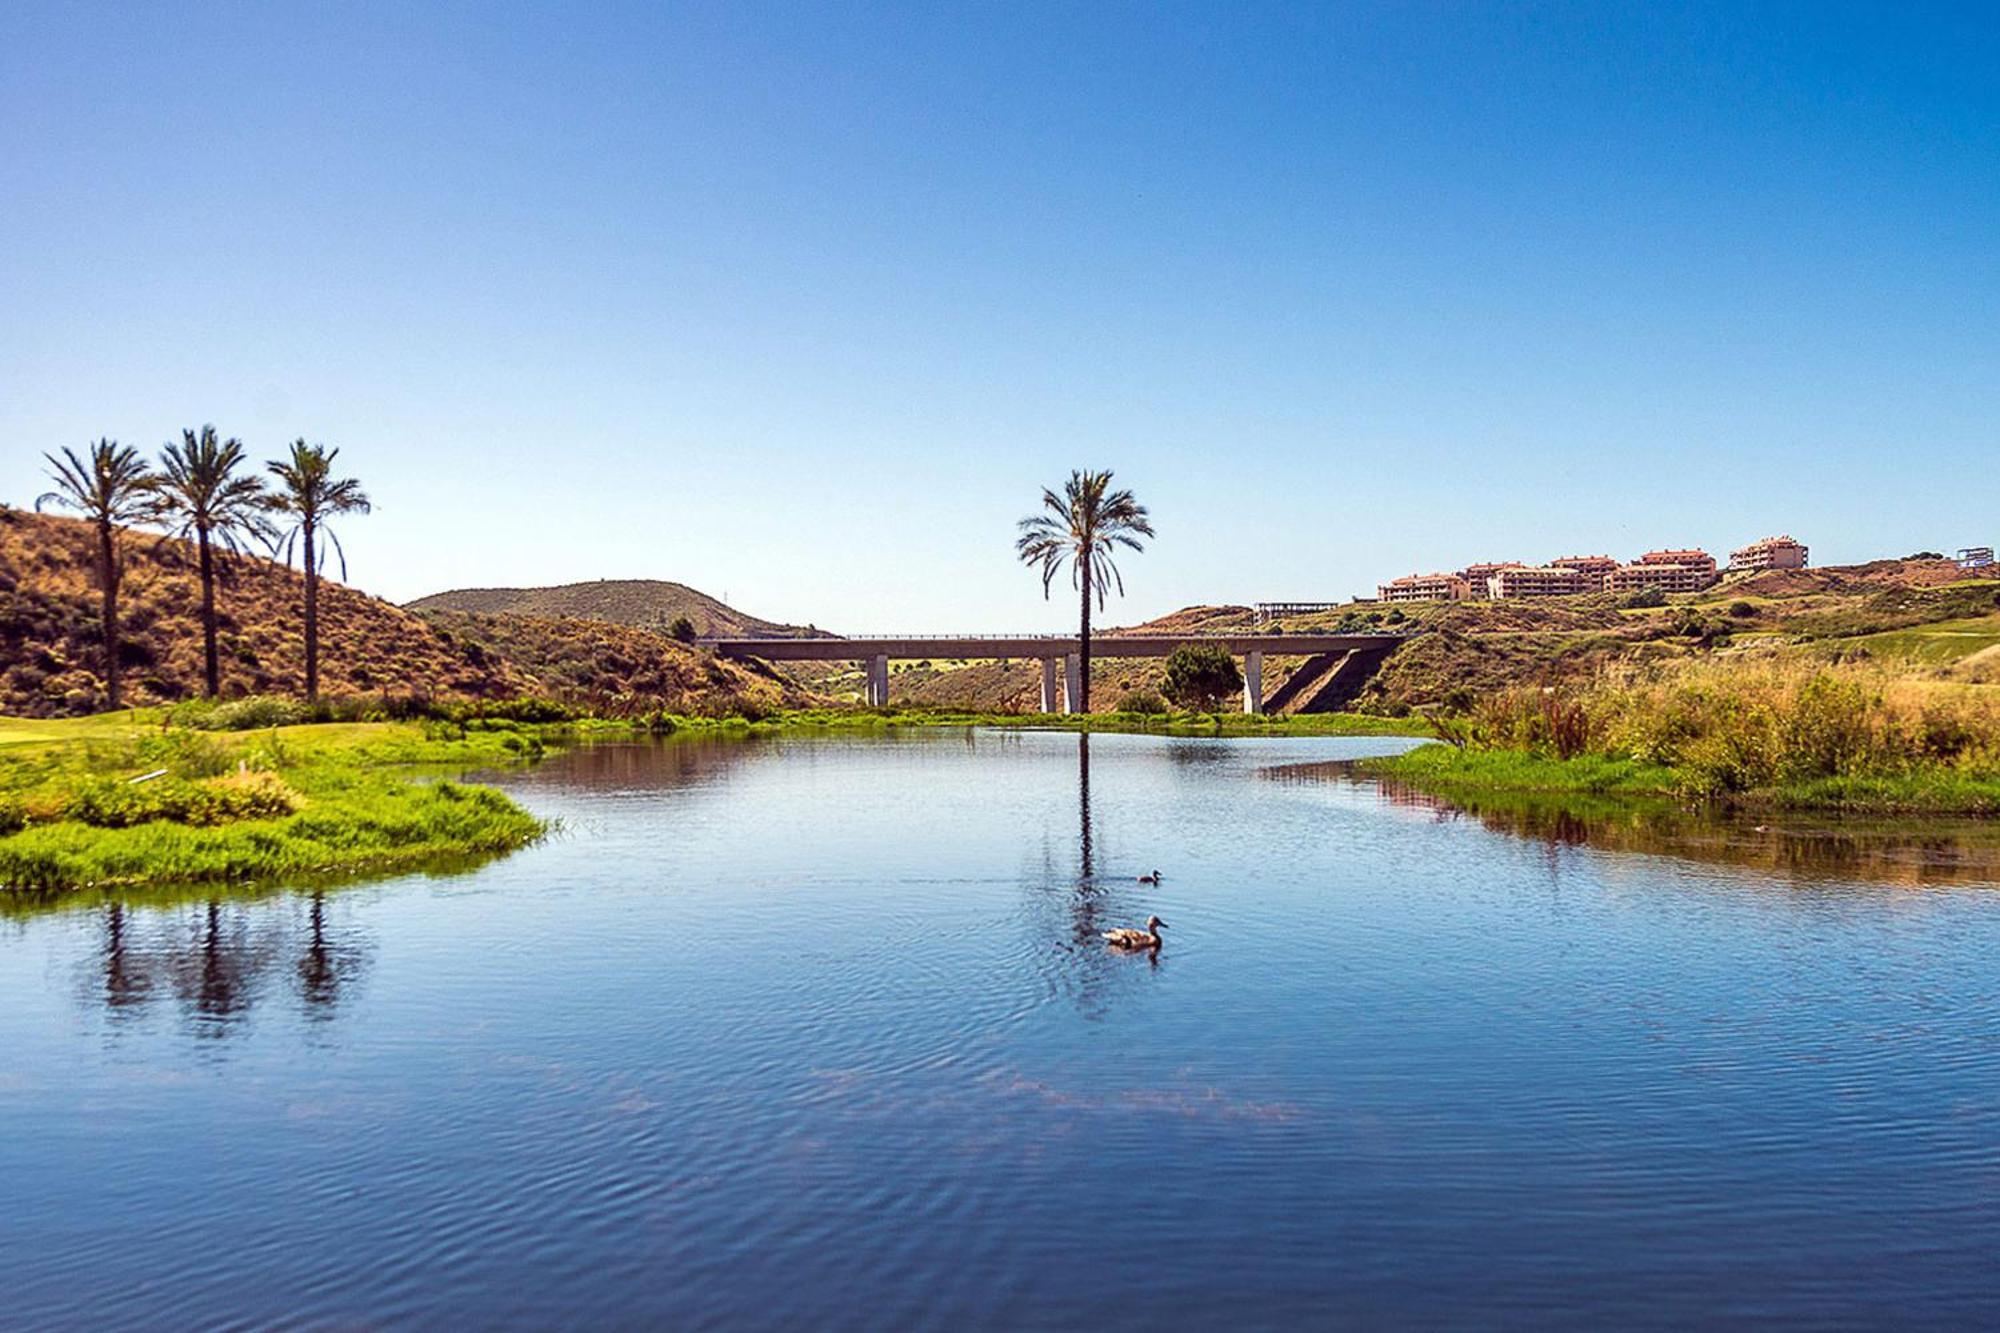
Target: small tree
1200 676
682 629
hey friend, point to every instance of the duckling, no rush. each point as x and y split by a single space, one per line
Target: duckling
1128 938
1153 878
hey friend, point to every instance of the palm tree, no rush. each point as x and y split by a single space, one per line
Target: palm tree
308 496
203 496
113 489
1083 526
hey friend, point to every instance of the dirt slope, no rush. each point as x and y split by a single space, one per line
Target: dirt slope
50 638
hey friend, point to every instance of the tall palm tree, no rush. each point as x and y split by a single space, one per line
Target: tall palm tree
113 489
307 496
1083 527
204 497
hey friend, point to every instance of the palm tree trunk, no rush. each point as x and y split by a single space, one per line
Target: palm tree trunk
107 582
211 660
312 619
1083 645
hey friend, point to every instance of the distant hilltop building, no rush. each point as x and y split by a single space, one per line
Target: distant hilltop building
1770 553
1689 570
1669 571
1547 581
1593 566
1975 557
1426 588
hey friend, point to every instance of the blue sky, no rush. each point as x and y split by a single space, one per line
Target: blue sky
803 304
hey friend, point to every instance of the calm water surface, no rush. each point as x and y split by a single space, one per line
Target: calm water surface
816 1032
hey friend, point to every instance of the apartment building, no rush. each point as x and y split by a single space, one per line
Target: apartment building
1425 588
1595 567
1546 581
1665 575
1770 553
1689 559
1479 577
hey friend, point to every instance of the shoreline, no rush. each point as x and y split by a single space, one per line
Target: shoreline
1444 771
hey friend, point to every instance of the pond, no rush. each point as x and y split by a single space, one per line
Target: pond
817 1031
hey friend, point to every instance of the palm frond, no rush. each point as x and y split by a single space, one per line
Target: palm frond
1081 526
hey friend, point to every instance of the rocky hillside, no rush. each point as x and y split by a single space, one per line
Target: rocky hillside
50 644
646 603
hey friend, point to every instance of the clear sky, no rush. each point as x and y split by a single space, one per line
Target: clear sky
803 304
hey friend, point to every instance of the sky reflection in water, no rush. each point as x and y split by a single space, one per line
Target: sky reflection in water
819 1030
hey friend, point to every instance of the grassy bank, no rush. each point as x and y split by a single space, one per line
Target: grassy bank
127 799
1780 734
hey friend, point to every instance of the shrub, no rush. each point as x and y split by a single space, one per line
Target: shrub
1147 703
1644 597
682 629
1200 676
121 803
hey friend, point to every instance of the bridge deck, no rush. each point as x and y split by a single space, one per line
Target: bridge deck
1041 646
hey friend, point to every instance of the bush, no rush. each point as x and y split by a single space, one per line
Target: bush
1200 676
121 803
682 629
1644 597
1146 703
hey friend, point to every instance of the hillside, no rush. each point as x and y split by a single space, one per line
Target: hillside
646 603
615 669
1925 614
50 638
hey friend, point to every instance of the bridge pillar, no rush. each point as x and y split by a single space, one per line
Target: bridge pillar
878 681
1049 703
1253 682
1072 682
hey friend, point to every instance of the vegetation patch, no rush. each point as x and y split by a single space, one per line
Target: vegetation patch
1775 732
148 802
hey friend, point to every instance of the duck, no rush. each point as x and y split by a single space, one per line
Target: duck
1153 878
1128 938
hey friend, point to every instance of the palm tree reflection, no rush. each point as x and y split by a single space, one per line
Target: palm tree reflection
218 960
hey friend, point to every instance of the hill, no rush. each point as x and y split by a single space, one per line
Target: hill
50 644
647 603
617 669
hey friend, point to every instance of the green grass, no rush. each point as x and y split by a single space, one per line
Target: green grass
1938 644
333 799
1445 770
1449 772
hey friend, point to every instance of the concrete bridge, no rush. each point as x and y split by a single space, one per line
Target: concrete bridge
1336 664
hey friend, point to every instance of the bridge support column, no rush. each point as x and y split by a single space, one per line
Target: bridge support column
878 681
1253 682
1049 701
1072 683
